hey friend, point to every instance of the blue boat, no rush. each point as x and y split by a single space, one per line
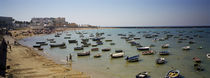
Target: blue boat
133 58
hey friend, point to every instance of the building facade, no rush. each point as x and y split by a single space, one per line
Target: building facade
48 21
6 21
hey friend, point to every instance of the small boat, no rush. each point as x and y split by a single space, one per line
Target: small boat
78 48
160 60
198 67
165 46
136 38
99 43
94 45
40 42
191 42
208 55
117 55
143 48
57 45
108 40
164 53
67 37
94 49
200 47
173 74
63 47
97 55
148 52
112 43
36 45
186 48
132 58
196 59
72 41
83 53
118 51
40 48
52 41
106 49
142 75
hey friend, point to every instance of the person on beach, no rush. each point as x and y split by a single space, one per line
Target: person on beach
70 57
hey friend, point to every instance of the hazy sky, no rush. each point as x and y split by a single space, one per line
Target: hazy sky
113 12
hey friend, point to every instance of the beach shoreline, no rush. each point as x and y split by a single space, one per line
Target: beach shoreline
28 62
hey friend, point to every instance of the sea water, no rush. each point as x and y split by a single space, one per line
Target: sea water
107 67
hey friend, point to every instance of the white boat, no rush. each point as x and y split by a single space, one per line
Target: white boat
208 55
117 55
143 48
186 48
165 45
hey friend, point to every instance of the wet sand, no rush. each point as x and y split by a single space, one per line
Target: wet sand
26 62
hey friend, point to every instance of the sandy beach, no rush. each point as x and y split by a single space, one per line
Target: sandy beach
26 62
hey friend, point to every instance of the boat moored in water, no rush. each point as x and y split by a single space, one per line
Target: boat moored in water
143 48
57 45
165 46
83 53
132 58
160 61
117 55
186 48
106 49
148 52
142 75
208 55
164 53
173 74
196 59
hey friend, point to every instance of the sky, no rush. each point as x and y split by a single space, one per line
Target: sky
113 12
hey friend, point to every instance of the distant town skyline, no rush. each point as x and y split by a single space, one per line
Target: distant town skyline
113 12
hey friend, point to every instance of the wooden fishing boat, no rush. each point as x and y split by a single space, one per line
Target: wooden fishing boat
132 58
50 39
143 48
118 51
40 48
106 49
67 37
72 41
165 46
136 38
117 55
83 53
36 45
208 55
173 74
196 59
142 75
186 48
112 43
108 40
94 45
164 53
94 49
160 61
78 48
97 55
57 45
148 52
198 67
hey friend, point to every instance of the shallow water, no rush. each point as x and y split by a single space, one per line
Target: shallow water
120 68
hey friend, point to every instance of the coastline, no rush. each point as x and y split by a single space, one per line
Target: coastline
28 62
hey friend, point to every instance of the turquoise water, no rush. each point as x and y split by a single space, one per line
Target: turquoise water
107 67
